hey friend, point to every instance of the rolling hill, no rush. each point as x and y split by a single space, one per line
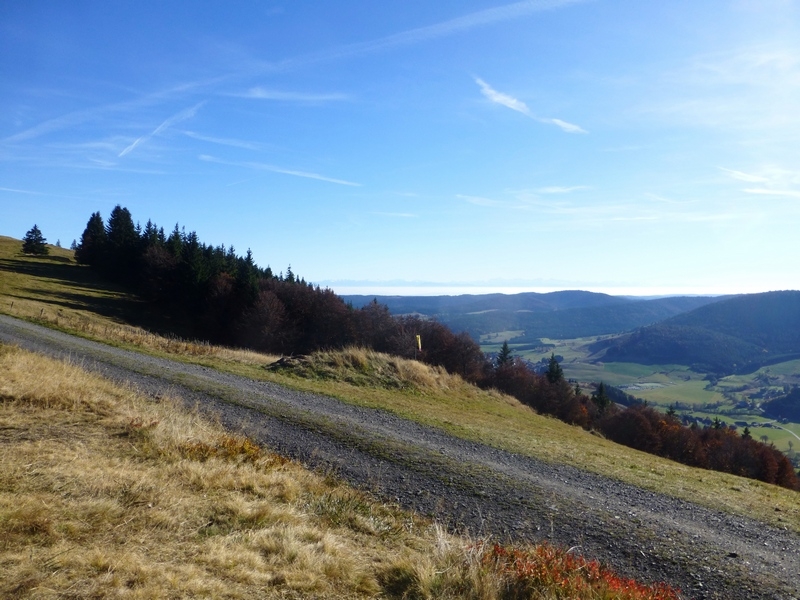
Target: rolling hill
736 335
555 315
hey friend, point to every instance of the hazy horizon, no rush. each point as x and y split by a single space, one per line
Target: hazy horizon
435 289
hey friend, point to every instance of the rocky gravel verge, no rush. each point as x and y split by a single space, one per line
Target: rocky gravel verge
471 487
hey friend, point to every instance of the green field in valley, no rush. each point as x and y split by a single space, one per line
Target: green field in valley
694 394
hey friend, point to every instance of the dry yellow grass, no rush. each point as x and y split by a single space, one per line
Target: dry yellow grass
106 493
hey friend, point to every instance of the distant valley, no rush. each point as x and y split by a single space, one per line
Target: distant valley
734 358
557 315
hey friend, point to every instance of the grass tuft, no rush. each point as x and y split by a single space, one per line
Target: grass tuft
366 368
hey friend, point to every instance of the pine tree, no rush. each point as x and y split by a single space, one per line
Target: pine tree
601 398
554 371
93 242
504 357
34 242
123 245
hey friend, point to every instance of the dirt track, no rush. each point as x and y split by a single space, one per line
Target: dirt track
469 486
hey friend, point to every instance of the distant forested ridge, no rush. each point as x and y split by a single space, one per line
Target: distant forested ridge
554 315
735 335
784 407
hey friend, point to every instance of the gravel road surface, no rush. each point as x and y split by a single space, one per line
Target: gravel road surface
471 487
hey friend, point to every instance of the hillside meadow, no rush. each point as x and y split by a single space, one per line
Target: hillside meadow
406 388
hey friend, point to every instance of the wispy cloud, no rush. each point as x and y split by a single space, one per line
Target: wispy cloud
72 119
260 93
224 141
396 215
770 192
519 106
558 189
766 80
34 193
275 169
741 176
479 200
16 191
663 200
181 116
568 127
68 120
503 99
466 22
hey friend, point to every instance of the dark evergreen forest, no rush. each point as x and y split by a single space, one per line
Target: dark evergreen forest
224 298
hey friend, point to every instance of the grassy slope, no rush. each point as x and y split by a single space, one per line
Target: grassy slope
107 493
434 399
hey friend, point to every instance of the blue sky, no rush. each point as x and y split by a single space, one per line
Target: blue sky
609 145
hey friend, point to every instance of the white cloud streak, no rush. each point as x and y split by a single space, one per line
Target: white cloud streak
518 105
558 189
767 192
765 78
93 114
281 170
181 116
260 93
479 200
503 99
741 176
224 141
568 127
480 18
15 191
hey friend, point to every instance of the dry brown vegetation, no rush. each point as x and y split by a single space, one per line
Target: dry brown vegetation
107 493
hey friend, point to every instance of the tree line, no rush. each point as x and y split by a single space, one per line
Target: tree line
228 299
222 297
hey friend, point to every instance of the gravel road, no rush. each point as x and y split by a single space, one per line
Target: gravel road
471 487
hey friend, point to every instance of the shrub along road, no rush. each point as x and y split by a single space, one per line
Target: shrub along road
473 488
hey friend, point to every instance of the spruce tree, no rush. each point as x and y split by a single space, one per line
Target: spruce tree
601 398
504 357
554 371
93 242
123 246
34 242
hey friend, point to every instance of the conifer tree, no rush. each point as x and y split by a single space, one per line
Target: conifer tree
34 242
504 357
123 245
554 371
601 398
93 242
